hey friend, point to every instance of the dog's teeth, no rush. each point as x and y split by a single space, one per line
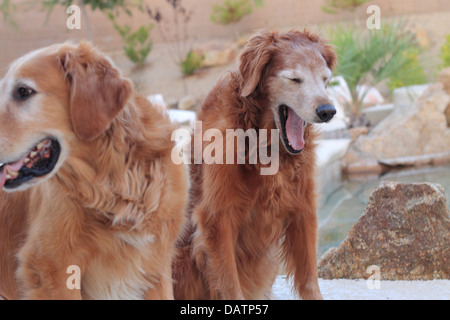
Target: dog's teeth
33 154
47 143
11 174
40 145
26 160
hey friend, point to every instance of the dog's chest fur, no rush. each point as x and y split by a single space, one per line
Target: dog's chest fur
107 277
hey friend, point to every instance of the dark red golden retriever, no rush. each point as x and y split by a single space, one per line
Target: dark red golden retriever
242 223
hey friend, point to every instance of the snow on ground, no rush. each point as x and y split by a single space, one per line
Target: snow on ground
343 289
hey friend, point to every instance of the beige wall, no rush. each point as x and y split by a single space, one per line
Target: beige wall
34 33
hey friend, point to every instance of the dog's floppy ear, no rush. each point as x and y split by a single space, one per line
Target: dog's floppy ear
329 54
98 92
256 55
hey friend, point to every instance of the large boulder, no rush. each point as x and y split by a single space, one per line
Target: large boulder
404 230
218 53
411 135
444 78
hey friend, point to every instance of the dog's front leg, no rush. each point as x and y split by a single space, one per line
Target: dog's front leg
219 239
47 276
162 288
300 251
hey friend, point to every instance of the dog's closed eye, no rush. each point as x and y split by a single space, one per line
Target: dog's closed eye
297 80
23 92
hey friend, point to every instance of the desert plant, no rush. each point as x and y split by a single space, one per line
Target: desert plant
445 52
173 31
137 44
7 8
102 5
334 6
370 57
192 62
106 6
231 11
411 73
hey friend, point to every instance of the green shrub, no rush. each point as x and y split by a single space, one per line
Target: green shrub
334 6
102 5
232 11
8 9
445 52
137 44
192 62
411 73
372 56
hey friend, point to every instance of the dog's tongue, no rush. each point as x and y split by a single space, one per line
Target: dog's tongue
12 167
295 130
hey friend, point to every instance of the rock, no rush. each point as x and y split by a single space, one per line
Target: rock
157 99
447 115
356 162
444 78
242 41
218 53
330 150
186 103
408 95
413 135
184 118
404 230
354 133
374 115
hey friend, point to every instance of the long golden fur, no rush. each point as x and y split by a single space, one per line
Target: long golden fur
242 223
113 206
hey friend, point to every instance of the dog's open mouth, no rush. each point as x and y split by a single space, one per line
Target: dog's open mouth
40 161
293 130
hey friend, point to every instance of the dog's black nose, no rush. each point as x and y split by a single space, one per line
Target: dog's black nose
326 112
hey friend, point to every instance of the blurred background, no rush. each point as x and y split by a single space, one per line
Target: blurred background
390 85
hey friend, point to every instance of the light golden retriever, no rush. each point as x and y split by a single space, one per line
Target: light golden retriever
88 182
241 222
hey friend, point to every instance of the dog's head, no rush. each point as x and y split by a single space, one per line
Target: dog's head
292 71
51 100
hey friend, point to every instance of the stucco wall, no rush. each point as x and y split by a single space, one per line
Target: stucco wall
33 32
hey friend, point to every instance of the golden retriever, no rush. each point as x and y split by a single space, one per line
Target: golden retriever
88 182
241 223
